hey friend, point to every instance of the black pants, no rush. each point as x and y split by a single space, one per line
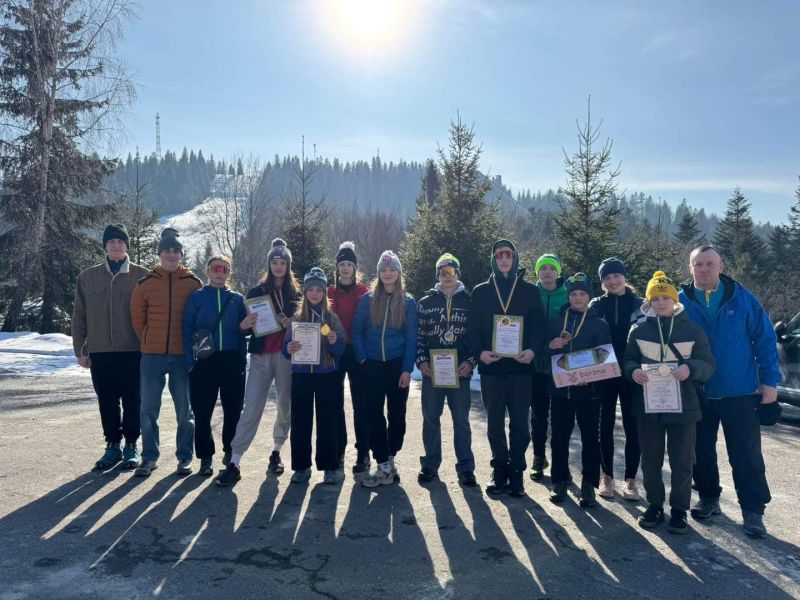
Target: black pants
351 367
115 376
315 393
540 412
563 413
743 440
507 393
380 382
221 374
680 440
608 417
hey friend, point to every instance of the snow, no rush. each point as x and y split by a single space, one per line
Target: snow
26 353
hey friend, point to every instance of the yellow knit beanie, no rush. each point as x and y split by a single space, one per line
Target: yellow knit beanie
660 285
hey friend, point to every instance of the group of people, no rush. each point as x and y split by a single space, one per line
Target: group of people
132 328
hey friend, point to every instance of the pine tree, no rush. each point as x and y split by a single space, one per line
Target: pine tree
737 242
587 221
794 219
688 232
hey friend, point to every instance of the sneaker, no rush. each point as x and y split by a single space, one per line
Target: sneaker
206 467
630 491
587 499
516 488
144 469
275 463
184 467
301 476
426 475
130 457
705 508
226 459
362 465
467 478
606 486
754 524
677 522
498 482
229 476
111 456
537 468
651 517
559 492
394 467
383 476
331 477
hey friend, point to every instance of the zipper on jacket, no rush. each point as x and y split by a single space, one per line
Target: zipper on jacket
383 331
219 310
169 314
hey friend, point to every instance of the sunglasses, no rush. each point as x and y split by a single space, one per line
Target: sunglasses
504 254
222 269
447 271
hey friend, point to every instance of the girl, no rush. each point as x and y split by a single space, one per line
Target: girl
385 343
667 336
315 387
267 363
621 308
216 308
344 297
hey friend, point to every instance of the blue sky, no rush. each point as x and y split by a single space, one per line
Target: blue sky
699 97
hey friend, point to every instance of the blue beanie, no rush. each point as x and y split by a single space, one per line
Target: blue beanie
315 276
610 266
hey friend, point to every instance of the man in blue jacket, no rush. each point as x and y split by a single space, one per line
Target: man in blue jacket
744 347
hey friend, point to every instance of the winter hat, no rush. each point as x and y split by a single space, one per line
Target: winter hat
315 276
115 231
447 260
551 260
347 252
387 259
660 285
514 265
581 282
169 240
611 265
279 250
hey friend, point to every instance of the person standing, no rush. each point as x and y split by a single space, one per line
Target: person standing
344 296
267 364
385 343
105 343
157 305
442 317
219 310
553 293
744 346
506 381
621 308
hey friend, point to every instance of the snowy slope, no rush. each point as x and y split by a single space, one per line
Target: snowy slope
26 353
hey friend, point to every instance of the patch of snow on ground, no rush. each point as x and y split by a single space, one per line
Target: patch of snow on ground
26 353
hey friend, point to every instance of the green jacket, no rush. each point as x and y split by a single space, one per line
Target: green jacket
552 303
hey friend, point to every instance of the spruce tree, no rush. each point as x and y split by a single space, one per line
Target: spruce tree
737 242
688 234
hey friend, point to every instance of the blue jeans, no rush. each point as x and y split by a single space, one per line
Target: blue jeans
154 370
459 401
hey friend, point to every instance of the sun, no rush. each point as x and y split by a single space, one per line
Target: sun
367 24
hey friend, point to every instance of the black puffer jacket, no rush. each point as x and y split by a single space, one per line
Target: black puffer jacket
644 347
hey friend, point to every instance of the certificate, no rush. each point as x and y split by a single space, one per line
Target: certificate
444 368
507 335
580 359
266 319
310 339
662 393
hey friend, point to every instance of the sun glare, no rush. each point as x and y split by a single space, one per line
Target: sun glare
367 24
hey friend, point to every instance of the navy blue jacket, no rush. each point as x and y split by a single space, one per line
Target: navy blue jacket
201 312
381 342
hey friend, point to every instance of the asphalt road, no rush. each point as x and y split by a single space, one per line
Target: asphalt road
67 532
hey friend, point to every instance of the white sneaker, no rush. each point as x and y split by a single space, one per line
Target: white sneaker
606 486
184 467
629 491
383 476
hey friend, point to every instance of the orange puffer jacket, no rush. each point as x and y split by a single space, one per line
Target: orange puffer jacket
157 305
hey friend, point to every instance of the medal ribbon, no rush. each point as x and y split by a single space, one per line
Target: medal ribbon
669 336
510 296
278 293
574 332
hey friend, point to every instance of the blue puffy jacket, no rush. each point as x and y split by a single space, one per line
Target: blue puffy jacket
381 342
743 341
201 312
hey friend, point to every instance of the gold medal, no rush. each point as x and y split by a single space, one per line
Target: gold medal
664 370
505 321
449 336
566 336
325 330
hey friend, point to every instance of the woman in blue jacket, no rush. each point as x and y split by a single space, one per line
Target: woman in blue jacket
223 373
385 342
315 387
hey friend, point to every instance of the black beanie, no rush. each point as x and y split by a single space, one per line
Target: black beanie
347 252
115 231
169 239
611 265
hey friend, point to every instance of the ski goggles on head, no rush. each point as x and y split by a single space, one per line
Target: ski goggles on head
220 268
505 253
448 271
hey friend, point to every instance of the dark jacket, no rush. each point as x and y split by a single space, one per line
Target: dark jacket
382 342
594 333
256 344
526 303
644 347
432 324
329 353
620 312
201 312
